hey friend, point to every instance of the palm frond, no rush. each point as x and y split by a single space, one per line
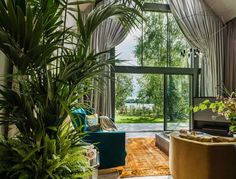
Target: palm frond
54 72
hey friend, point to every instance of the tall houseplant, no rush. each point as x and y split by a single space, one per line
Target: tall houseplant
53 69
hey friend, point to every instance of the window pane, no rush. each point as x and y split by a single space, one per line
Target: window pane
178 102
140 100
126 50
178 47
158 42
154 42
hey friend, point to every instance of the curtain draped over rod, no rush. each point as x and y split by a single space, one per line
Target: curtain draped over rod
230 60
204 31
108 35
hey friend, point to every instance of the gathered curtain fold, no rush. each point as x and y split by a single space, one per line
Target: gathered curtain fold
3 71
204 31
109 34
230 60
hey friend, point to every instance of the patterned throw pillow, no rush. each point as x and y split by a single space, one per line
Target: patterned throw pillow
92 122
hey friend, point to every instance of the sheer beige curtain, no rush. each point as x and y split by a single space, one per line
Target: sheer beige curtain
204 30
109 34
230 60
3 72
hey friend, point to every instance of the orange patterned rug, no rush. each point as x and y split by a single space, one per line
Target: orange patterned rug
144 159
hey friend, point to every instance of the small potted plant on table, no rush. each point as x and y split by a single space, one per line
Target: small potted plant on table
225 106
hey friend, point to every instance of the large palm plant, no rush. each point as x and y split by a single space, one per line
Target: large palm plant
54 65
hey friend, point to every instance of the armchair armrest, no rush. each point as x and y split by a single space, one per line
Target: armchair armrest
111 146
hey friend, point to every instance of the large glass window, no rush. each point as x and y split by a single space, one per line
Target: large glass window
139 98
152 48
162 92
178 93
126 50
158 42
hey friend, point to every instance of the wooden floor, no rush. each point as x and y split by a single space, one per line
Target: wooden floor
152 177
116 176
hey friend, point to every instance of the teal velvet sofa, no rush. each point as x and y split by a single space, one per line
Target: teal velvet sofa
111 145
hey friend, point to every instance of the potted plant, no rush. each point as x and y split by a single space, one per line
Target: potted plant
225 106
52 72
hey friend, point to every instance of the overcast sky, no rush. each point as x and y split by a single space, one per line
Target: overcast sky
127 47
126 52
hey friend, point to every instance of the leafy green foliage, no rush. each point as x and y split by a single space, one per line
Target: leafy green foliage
53 73
151 92
137 119
123 89
161 46
225 106
55 159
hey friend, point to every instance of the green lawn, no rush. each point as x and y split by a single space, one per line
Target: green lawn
142 119
137 119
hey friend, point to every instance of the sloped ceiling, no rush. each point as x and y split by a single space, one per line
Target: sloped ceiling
225 9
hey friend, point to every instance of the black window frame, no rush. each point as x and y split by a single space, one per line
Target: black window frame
194 71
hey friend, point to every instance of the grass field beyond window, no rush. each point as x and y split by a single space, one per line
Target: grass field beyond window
137 119
144 119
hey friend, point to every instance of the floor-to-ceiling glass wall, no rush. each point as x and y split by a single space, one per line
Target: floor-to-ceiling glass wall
177 101
139 101
154 81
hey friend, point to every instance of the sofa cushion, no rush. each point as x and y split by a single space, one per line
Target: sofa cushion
89 111
207 139
92 119
80 118
224 139
196 138
92 122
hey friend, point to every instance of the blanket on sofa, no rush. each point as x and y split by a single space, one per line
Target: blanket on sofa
107 124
